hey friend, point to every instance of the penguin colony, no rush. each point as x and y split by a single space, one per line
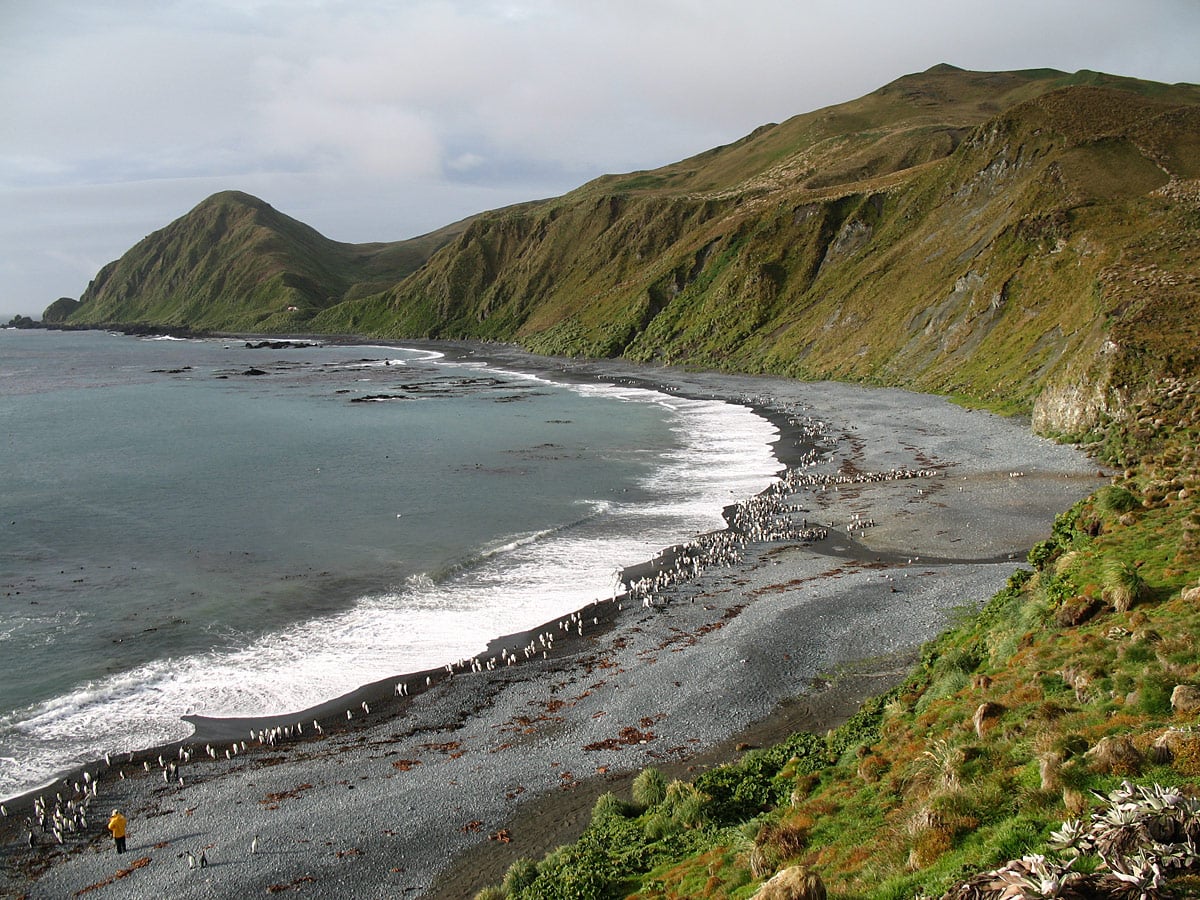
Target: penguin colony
767 517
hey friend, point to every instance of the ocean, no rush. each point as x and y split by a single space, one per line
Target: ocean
206 527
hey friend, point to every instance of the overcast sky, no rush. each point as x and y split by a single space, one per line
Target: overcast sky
374 120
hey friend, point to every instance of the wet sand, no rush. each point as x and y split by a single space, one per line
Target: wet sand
434 794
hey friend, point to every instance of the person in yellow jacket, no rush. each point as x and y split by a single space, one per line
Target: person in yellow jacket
116 824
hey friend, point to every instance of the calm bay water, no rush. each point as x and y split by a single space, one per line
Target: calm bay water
180 536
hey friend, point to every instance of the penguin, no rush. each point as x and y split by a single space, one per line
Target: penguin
191 860
203 860
254 845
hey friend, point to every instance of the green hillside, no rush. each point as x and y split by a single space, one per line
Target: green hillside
1023 240
986 235
235 263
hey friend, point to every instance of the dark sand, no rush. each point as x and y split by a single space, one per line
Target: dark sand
436 793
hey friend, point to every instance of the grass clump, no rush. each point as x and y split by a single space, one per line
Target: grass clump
1114 500
520 875
1123 585
649 788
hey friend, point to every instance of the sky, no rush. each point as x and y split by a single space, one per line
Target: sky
379 121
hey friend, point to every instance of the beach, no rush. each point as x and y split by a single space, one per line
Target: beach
926 509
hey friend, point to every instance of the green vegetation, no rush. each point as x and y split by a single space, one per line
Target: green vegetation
234 263
1027 242
1032 713
649 788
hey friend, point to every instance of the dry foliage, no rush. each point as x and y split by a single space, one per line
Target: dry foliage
795 883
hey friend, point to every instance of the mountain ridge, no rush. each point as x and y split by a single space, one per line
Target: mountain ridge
981 234
234 262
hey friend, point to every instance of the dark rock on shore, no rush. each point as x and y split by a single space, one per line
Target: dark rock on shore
278 345
378 398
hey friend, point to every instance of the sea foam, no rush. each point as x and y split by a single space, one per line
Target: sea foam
513 584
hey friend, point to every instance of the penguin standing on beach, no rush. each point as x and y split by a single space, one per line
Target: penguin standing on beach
203 859
254 845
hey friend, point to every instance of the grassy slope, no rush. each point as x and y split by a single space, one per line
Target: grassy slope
977 234
1024 240
235 263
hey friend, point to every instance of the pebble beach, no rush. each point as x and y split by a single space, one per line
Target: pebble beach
924 509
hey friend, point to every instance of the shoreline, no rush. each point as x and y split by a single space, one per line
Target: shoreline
787 449
208 729
830 703
480 703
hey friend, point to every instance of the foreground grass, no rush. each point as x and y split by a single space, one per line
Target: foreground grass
1059 690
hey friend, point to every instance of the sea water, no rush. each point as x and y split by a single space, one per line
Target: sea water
212 528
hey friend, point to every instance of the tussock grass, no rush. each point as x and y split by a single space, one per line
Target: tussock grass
649 787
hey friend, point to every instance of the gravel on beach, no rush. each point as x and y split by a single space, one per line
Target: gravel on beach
432 795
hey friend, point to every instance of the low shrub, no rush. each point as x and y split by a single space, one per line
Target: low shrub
522 873
1123 586
649 788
